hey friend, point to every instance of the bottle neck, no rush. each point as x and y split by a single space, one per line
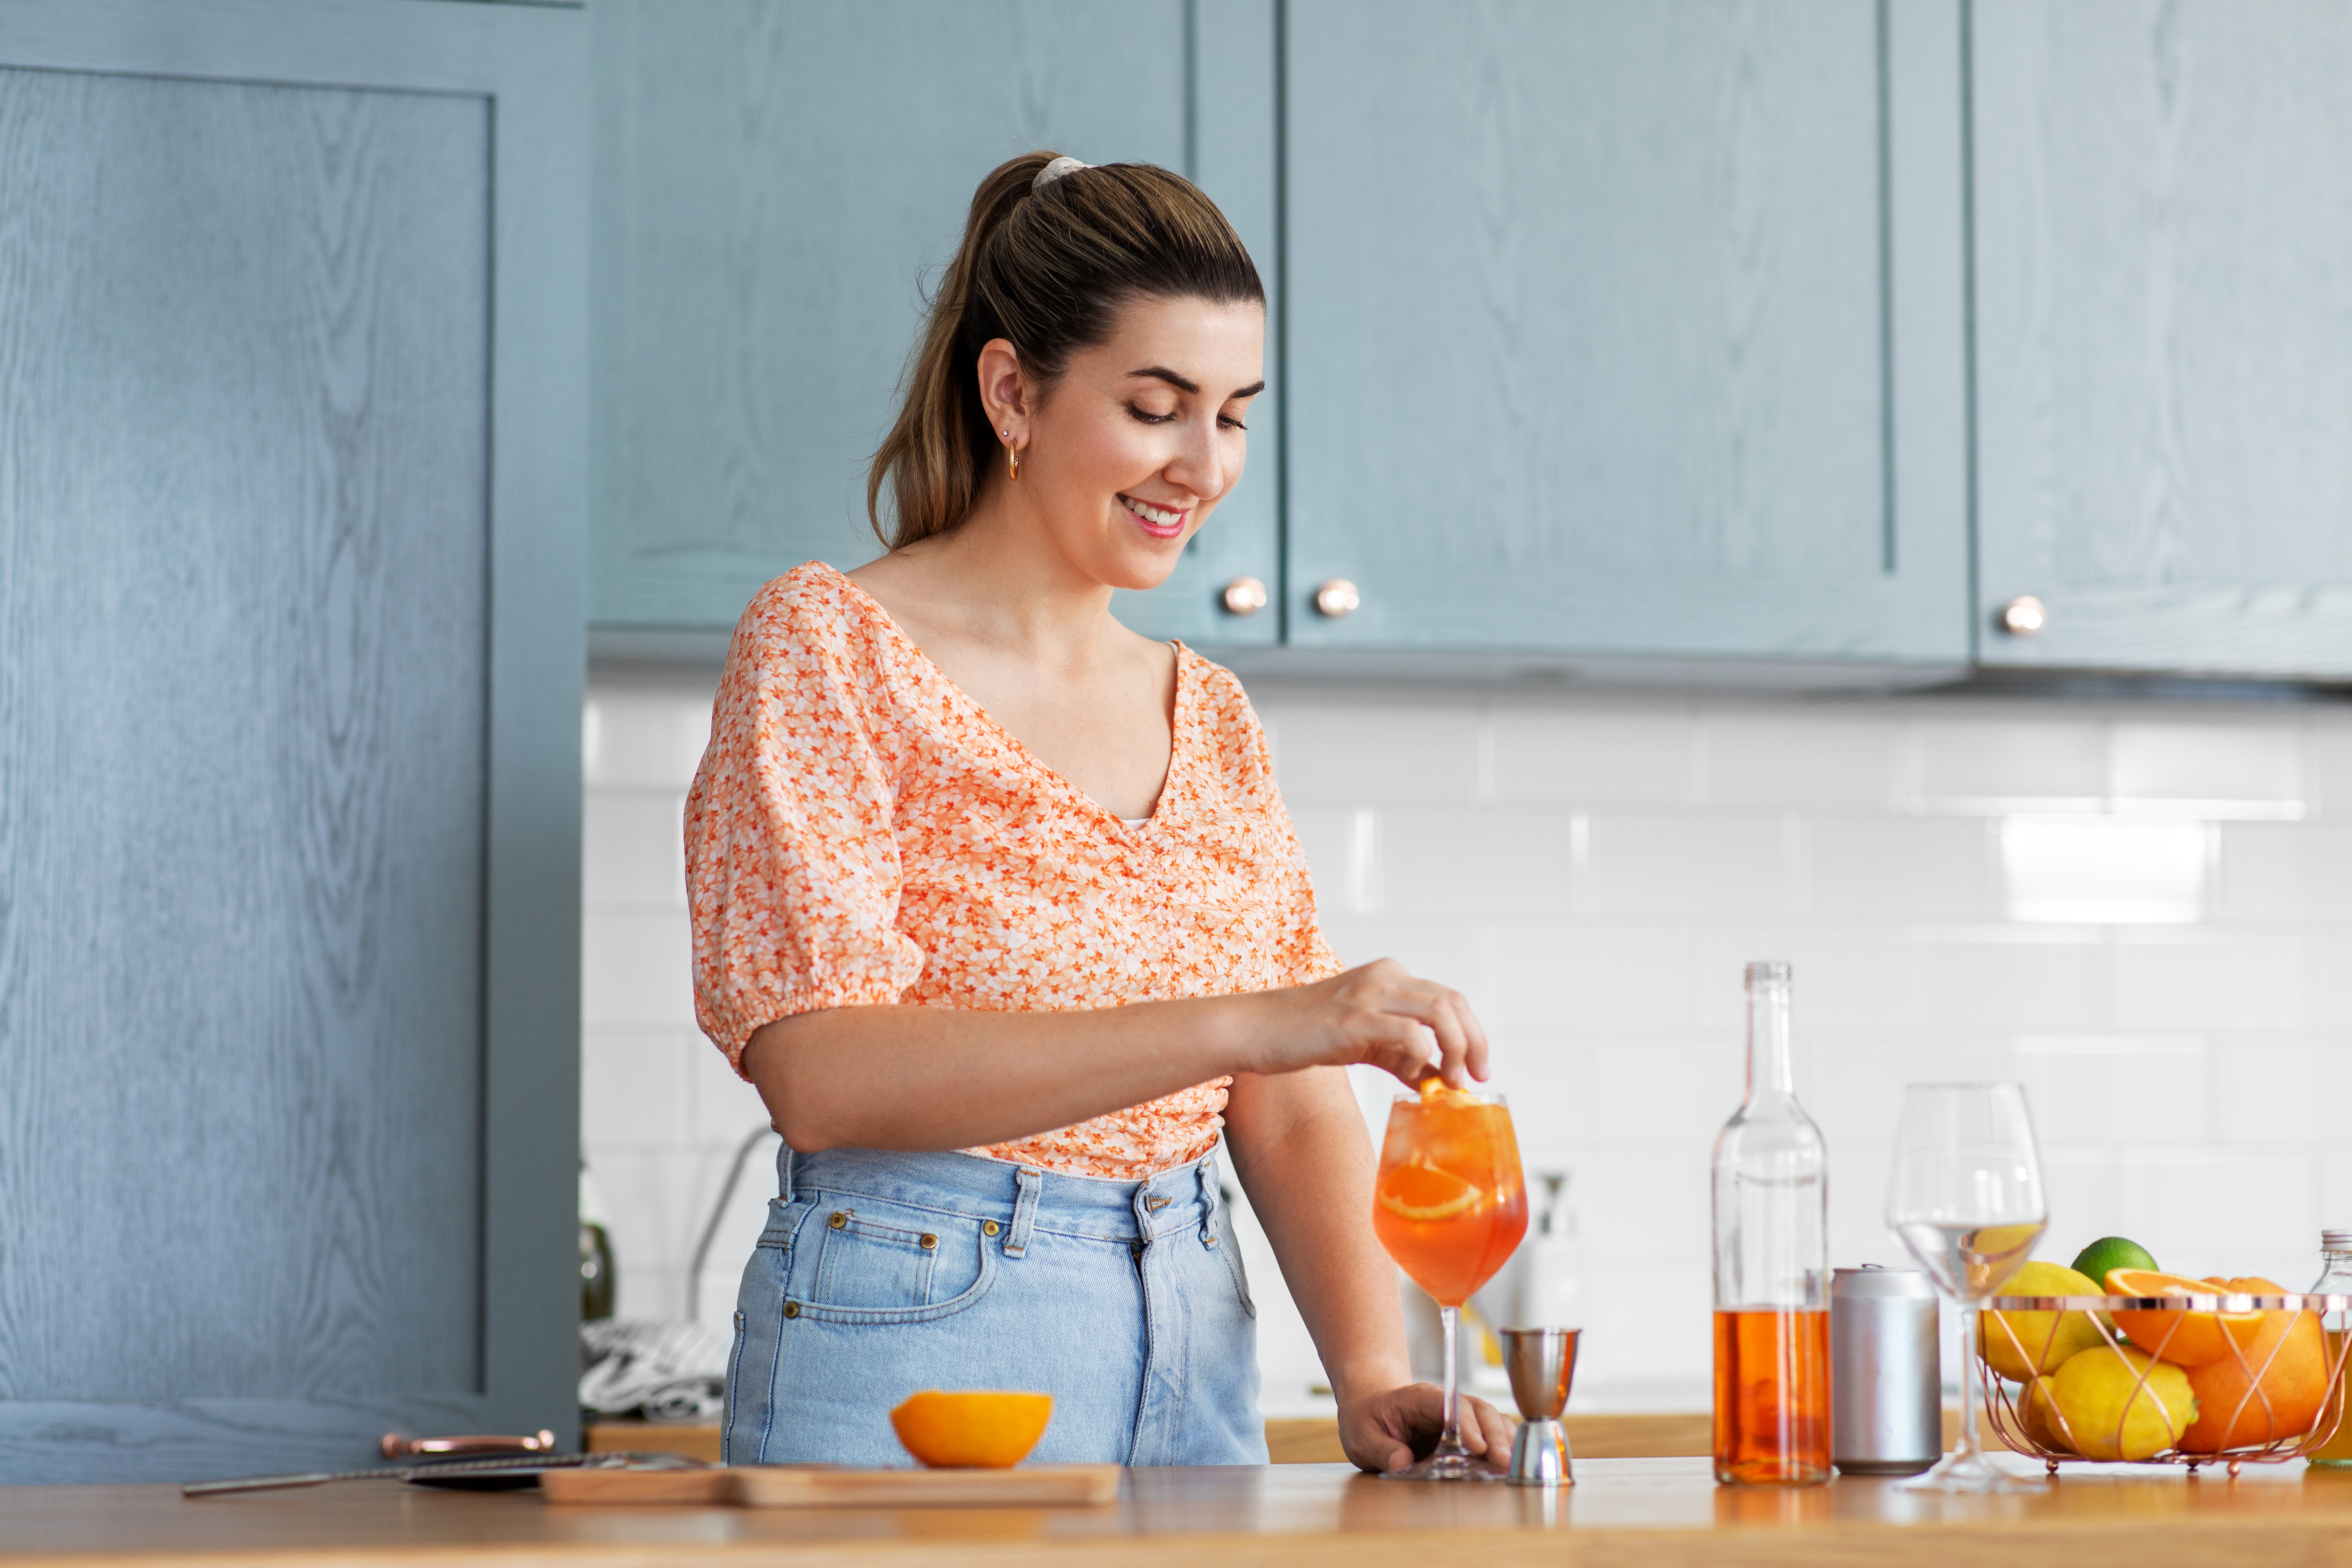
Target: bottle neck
1769 1070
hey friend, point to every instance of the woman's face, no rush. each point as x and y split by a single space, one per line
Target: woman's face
1125 458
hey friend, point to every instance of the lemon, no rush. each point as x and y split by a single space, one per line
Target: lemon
2021 1346
2112 1413
2041 1418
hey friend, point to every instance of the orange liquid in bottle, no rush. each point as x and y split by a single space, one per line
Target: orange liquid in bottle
1771 1397
2337 1452
1449 1205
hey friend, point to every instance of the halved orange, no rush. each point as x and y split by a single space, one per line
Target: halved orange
981 1429
2176 1334
1418 1190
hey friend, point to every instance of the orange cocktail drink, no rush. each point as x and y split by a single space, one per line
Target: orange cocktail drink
1450 1207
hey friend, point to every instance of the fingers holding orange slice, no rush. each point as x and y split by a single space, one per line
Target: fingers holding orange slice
2183 1337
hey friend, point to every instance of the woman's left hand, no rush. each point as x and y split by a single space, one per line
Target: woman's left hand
1387 1431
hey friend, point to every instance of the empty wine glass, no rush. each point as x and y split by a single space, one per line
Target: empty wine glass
1966 1197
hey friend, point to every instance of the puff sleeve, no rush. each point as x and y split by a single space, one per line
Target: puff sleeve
792 874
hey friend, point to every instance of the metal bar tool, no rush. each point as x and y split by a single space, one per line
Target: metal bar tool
1542 1362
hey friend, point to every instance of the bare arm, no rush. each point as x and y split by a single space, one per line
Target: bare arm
1300 1149
945 1078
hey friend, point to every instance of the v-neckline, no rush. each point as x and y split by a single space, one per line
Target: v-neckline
1177 726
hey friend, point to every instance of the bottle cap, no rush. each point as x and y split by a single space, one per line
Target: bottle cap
2335 1241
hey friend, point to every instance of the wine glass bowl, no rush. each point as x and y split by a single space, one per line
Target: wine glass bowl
1450 1206
1965 1199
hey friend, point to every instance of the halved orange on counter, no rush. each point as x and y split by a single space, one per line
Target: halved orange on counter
1418 1190
2182 1337
979 1429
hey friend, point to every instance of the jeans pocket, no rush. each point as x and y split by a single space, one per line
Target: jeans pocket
871 1272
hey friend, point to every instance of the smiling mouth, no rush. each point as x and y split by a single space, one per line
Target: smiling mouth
1159 522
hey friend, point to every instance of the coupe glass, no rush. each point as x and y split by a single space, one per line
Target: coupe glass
1966 1197
1450 1207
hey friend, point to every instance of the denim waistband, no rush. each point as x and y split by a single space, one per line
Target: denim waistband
1022 1197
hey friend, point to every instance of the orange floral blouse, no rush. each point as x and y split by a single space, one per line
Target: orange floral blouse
861 832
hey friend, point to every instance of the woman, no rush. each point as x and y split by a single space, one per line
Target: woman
996 903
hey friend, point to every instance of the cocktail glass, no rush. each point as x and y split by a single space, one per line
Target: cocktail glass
1450 1206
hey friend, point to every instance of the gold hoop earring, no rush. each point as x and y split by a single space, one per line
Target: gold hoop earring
1012 461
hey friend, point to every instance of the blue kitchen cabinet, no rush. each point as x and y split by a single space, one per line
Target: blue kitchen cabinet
292 439
778 185
2163 243
1627 329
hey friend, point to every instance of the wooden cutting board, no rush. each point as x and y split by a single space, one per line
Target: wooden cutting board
826 1486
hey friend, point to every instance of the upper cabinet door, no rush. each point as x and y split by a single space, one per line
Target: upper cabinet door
1627 327
2164 333
778 186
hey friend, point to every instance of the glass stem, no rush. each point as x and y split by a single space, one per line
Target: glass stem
1451 1440
1969 1448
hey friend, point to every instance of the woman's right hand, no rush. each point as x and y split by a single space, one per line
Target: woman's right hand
1380 1014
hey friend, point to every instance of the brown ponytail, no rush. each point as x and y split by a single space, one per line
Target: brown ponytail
1048 271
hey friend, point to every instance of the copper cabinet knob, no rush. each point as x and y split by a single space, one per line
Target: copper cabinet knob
2023 615
1244 596
1337 598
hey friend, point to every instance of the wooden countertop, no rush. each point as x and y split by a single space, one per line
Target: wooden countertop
1651 1512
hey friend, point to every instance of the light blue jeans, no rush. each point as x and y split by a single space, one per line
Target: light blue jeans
882 1274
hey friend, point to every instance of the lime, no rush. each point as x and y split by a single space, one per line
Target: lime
2112 1252
2022 1345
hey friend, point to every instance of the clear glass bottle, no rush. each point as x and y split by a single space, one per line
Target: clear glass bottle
2334 1280
1771 1265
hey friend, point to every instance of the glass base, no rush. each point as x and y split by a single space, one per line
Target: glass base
1447 1464
1973 1474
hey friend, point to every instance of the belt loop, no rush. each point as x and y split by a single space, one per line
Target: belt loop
783 1170
1027 1182
1207 1171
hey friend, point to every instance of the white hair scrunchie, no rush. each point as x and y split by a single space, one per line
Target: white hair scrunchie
1054 171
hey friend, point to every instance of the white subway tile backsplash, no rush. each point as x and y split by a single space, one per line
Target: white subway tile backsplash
1592 975
632 849
633 1091
2020 753
1497 863
1352 752
647 736
2046 979
1783 756
636 971
1647 863
2170 980
1548 755
2215 760
1593 871
1911 867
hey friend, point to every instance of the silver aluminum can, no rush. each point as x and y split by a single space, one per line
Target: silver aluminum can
1886 1374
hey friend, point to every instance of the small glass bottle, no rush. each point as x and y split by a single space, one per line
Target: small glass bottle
2334 1280
1771 1265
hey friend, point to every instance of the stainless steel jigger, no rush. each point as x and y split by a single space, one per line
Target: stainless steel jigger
1542 1362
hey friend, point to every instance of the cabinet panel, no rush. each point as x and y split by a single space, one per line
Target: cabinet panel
1604 336
2164 306
777 186
289 911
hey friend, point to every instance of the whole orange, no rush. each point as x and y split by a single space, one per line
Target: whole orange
981 1429
2272 1387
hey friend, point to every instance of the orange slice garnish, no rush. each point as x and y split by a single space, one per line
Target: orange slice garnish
1435 1090
1418 1190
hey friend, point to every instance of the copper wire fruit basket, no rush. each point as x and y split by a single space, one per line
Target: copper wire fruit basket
2263 1398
